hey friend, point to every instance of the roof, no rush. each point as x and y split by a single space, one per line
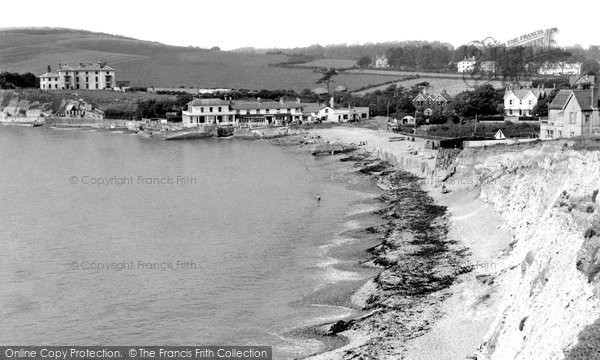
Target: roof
85 67
583 79
442 94
584 98
207 102
340 88
320 91
49 74
560 100
310 107
247 105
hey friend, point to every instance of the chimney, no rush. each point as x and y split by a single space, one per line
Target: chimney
331 102
257 99
298 100
49 68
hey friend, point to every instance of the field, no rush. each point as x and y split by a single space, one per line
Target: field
330 63
452 86
146 63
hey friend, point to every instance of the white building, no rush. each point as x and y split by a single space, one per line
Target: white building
560 68
327 113
91 76
208 111
466 65
381 62
520 102
267 112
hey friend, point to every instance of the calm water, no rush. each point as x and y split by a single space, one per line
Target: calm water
243 223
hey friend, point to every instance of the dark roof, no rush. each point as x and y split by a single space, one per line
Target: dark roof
85 66
584 98
49 74
310 107
207 102
246 105
560 100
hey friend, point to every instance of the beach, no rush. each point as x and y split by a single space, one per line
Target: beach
435 260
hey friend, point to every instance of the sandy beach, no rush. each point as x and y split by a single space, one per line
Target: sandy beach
446 324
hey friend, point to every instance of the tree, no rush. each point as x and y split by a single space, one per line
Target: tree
364 61
590 67
327 77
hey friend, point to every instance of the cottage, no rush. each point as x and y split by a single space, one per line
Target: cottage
382 62
572 113
520 102
427 104
582 80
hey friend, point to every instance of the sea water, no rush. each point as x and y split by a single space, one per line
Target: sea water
113 239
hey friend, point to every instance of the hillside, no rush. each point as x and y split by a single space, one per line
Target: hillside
147 63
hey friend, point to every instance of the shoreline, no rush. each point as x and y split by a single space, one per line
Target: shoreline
414 272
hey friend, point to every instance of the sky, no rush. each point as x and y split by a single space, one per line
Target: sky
283 24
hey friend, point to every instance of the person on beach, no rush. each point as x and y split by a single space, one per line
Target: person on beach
318 197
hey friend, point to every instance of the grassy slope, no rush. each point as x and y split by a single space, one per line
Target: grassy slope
147 63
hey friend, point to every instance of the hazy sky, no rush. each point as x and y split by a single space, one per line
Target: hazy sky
266 23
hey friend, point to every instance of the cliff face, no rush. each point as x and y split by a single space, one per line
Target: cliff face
547 281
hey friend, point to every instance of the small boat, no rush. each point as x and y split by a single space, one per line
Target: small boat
396 138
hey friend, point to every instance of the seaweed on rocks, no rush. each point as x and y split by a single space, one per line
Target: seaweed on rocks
419 264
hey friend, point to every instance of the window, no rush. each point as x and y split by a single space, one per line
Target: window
202 109
219 109
530 102
520 102
587 118
510 102
96 73
266 111
572 118
96 79
96 86
87 79
210 109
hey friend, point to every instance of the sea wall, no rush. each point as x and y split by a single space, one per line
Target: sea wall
82 122
547 281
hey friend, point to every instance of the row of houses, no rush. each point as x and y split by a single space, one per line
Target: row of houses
227 112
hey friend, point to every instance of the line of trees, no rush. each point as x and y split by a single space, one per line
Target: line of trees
10 80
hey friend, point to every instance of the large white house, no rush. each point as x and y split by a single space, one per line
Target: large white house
466 65
560 68
208 111
520 102
91 76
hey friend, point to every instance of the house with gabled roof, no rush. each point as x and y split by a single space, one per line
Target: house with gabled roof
572 113
382 62
519 102
582 80
427 104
